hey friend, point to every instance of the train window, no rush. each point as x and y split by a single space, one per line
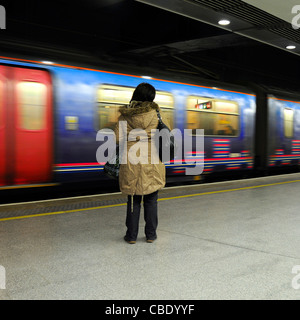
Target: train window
110 98
114 94
108 115
32 105
165 101
288 118
217 117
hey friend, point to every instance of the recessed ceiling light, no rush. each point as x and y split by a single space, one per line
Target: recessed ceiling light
291 47
224 22
146 77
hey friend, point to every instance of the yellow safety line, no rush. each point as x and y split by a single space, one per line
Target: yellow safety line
61 212
228 190
162 199
29 186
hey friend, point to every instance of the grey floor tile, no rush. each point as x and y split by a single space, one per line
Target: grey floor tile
233 245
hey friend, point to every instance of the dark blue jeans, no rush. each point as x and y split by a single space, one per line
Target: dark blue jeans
150 216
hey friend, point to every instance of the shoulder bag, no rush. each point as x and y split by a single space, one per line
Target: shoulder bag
112 166
167 143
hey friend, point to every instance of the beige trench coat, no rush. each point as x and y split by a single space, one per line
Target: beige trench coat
144 177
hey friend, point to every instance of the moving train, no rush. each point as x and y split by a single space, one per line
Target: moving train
50 115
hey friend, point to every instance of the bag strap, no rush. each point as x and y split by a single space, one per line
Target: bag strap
158 116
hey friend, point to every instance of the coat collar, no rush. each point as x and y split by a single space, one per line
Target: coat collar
138 107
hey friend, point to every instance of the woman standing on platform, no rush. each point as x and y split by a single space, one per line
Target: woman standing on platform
143 179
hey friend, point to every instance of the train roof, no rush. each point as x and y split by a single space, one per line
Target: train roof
142 72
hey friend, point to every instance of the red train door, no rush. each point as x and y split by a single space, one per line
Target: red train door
2 126
26 131
33 126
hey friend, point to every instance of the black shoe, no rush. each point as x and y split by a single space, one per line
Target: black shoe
129 241
150 240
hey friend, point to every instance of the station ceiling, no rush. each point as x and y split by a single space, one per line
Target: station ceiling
179 37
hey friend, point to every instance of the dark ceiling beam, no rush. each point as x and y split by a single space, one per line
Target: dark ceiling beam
194 10
201 70
194 45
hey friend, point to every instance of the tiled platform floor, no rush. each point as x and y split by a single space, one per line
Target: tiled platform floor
240 244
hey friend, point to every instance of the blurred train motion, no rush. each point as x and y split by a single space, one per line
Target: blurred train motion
50 114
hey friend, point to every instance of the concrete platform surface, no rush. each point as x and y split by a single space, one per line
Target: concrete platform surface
237 240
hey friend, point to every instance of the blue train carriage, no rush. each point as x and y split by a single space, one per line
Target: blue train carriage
227 117
80 101
284 131
88 101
